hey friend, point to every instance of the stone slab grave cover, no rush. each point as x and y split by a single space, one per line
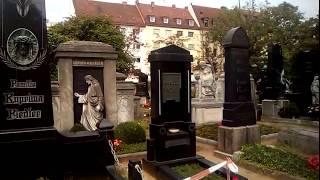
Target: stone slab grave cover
172 139
239 119
27 137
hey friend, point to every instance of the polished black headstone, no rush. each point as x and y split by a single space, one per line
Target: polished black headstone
25 87
171 105
274 87
142 85
238 107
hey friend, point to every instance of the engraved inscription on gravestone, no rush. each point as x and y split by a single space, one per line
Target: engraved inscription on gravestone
171 85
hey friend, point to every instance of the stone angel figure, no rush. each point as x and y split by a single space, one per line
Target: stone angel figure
93 104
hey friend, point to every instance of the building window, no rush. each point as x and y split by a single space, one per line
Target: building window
179 33
168 32
191 22
165 20
190 34
206 22
135 31
152 19
178 21
156 32
123 30
190 46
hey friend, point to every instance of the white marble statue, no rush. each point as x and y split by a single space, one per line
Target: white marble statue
93 104
207 81
315 90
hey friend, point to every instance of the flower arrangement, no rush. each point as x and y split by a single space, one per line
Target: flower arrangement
117 144
313 162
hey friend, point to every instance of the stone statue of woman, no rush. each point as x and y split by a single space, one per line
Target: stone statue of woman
93 104
315 90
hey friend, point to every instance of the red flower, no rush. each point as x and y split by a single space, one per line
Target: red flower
313 162
234 177
117 142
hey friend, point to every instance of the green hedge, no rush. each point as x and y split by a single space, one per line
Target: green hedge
130 132
277 159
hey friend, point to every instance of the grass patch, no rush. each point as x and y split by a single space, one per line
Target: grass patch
278 159
188 170
265 130
209 131
131 148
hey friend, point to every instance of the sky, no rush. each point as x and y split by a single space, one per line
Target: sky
57 10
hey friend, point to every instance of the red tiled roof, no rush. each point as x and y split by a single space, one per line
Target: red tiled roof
172 13
205 12
121 14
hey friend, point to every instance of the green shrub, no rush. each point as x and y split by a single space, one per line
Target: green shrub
289 111
278 159
130 132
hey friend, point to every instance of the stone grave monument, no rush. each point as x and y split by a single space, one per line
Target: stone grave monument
239 119
28 139
274 90
172 139
31 147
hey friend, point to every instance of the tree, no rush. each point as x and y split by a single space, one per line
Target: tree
91 28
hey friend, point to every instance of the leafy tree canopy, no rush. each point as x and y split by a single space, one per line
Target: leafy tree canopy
282 24
91 28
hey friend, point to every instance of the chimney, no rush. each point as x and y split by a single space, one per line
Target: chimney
173 5
124 2
152 4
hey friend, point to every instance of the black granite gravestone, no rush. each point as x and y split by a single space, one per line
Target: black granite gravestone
238 107
172 134
274 87
27 136
142 85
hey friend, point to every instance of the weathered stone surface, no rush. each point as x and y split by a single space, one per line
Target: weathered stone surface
125 101
304 140
272 107
230 139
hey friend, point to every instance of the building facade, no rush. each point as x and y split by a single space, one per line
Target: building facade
149 26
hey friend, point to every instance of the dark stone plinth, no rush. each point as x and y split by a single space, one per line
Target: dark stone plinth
164 146
162 170
238 107
237 114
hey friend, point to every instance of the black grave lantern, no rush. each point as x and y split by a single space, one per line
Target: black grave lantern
171 105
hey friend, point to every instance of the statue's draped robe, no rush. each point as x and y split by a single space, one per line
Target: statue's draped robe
93 106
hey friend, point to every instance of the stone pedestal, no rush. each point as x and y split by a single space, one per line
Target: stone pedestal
219 96
206 111
138 110
125 101
272 107
230 139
